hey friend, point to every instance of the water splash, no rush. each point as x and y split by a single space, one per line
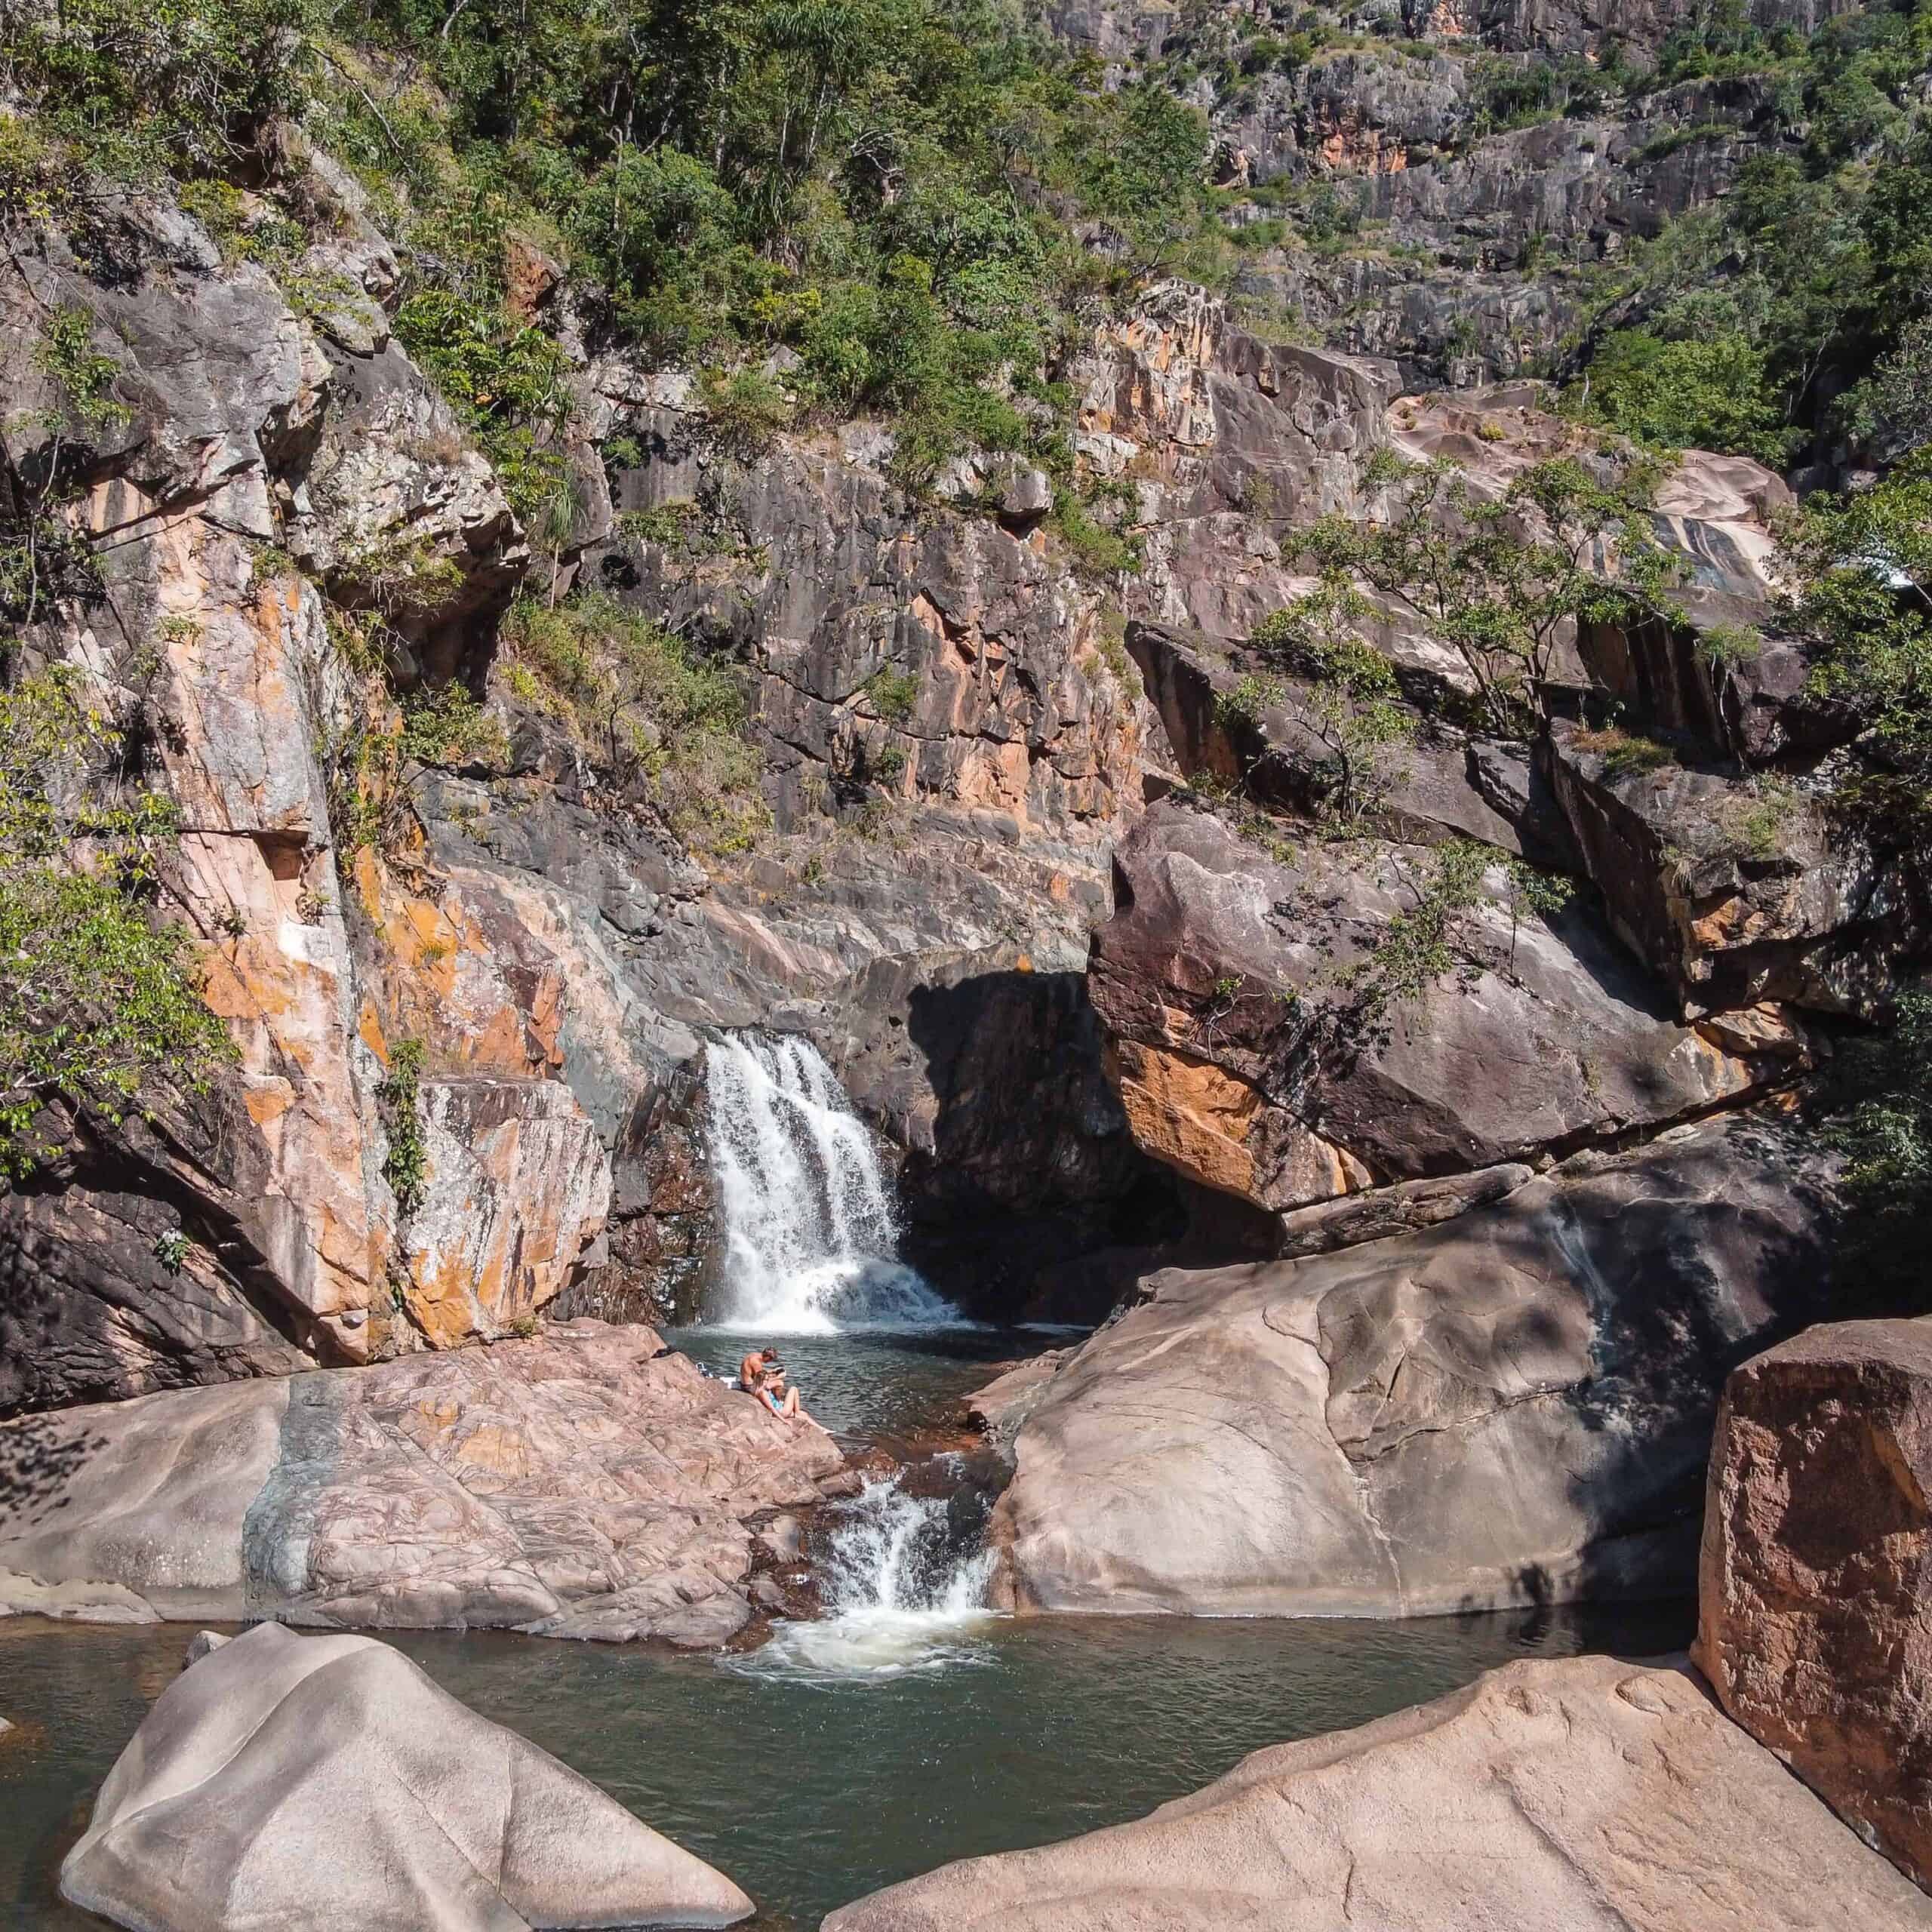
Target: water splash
809 1228
902 1596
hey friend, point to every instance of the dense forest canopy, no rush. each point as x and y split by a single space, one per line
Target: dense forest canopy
924 203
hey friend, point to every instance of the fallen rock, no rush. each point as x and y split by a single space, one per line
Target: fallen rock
312 1783
1736 890
1815 1598
1231 984
577 1485
1402 1209
1587 1795
1514 1407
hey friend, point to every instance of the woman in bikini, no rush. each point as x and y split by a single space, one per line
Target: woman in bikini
763 1375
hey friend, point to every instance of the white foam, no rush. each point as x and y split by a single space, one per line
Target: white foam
899 1599
810 1232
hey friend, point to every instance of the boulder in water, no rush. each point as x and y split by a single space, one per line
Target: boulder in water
1513 1406
324 1782
1587 1795
579 1484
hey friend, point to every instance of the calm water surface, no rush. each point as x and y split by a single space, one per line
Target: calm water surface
807 1787
878 1386
809 1793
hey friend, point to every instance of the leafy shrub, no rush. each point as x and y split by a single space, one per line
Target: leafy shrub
398 1099
666 723
1712 393
99 999
508 385
144 87
893 693
446 726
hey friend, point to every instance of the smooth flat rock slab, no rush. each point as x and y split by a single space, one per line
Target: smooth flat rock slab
310 1784
581 1484
1584 1795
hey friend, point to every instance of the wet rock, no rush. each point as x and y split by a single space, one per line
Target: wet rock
1588 1793
1815 1599
578 1484
1225 981
274 1758
999 1411
1513 1406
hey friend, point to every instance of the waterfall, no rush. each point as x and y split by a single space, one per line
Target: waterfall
809 1228
904 1589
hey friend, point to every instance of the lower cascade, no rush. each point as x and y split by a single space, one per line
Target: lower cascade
903 1583
810 1231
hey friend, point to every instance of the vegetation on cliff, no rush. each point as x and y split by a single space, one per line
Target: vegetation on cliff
99 999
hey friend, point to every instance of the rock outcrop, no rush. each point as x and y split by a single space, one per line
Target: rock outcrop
1587 1793
307 1782
1513 1406
1253 1053
1736 890
1815 1598
589 1483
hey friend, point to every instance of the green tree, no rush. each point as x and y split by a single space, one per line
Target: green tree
1858 583
1712 391
1337 688
1500 578
99 998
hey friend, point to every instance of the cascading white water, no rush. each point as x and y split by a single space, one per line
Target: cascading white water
900 1596
809 1228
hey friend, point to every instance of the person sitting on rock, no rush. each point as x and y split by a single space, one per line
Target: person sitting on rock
751 1369
779 1399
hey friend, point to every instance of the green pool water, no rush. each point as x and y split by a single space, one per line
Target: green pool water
907 1729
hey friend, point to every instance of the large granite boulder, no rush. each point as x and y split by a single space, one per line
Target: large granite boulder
1232 987
1815 1601
1589 1794
589 1483
1736 889
1513 1406
311 1782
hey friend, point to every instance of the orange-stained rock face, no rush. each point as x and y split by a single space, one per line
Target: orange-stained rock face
1204 1121
518 1185
246 680
470 985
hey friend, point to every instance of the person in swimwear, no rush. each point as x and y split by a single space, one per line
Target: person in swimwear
761 1375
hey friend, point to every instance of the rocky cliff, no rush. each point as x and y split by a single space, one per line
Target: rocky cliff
485 813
